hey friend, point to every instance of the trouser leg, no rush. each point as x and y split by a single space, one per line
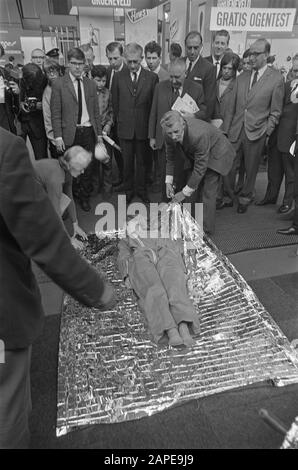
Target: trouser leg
253 151
15 399
211 182
141 147
117 155
172 274
295 219
83 185
39 145
128 153
152 297
288 165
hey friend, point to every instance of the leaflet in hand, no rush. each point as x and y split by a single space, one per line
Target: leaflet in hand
292 148
186 103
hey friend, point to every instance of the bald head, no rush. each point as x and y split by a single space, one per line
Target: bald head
177 73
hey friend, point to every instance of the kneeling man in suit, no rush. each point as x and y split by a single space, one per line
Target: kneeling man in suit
208 154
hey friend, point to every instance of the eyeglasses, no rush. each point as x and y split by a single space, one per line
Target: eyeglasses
255 54
133 61
37 57
77 64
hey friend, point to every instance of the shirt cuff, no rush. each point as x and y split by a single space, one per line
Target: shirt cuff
169 179
187 191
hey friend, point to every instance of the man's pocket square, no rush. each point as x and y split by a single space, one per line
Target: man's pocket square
198 79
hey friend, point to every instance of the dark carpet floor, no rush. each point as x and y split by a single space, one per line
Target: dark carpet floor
227 420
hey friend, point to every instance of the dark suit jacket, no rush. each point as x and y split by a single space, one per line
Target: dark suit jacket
132 111
162 102
288 124
65 108
31 229
222 104
206 146
209 58
259 108
109 73
205 73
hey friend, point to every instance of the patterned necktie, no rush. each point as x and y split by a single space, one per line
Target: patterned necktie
175 94
217 63
135 82
79 101
254 80
188 69
111 79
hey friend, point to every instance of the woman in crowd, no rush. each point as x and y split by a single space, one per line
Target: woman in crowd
32 86
224 88
52 71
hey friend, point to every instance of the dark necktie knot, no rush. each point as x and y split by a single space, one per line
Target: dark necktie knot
188 69
255 78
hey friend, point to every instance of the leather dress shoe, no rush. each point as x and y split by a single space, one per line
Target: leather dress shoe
265 202
223 204
284 209
85 205
242 208
288 231
144 197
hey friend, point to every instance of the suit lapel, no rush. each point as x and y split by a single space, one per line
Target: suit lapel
128 82
141 81
169 93
70 86
259 84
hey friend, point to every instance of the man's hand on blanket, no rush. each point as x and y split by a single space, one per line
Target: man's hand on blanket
179 197
108 299
127 283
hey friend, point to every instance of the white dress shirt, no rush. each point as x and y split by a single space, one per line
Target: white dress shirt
260 73
193 63
138 74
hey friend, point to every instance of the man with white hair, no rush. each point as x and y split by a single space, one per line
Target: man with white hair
206 154
132 95
56 178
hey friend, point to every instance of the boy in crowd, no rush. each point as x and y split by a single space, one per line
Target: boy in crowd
99 75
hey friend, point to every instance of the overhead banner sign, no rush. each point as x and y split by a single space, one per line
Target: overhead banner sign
252 19
129 4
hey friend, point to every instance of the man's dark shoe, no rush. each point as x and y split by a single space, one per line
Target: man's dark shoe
223 204
242 208
85 205
265 202
284 209
288 231
144 197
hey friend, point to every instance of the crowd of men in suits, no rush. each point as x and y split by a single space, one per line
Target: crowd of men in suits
251 110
